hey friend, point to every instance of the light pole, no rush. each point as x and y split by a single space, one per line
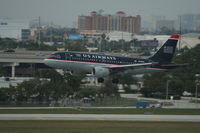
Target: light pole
167 89
197 83
167 85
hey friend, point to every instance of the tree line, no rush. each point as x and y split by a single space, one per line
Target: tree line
49 85
179 80
102 43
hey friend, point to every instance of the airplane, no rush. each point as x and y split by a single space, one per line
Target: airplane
102 66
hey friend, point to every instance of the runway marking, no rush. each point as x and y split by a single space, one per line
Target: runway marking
41 118
155 119
100 119
105 117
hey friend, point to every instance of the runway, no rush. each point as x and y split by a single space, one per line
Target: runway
109 117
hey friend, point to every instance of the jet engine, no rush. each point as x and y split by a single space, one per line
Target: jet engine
101 72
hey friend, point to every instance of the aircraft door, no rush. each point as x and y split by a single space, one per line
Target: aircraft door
67 56
67 62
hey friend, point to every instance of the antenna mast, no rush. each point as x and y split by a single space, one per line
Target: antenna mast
180 34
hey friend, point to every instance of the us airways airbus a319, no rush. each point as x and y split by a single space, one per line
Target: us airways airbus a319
103 66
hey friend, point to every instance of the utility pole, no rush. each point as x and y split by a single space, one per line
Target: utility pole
39 28
167 86
51 34
197 83
179 46
167 89
122 40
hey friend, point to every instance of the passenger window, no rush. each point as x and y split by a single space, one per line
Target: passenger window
58 56
67 56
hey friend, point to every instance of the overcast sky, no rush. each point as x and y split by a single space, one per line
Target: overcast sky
65 12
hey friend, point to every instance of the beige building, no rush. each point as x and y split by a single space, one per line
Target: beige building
107 23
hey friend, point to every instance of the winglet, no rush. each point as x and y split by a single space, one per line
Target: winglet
175 36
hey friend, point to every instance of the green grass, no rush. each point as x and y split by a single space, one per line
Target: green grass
194 101
114 102
107 101
104 102
102 111
97 127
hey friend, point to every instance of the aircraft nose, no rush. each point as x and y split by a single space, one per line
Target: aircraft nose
46 61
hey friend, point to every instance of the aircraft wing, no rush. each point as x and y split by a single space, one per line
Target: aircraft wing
126 67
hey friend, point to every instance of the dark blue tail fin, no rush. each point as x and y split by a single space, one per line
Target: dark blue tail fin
166 52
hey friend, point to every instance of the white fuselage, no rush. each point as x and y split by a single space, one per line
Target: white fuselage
79 67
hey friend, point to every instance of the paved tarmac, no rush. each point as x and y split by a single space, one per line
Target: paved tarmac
177 118
184 103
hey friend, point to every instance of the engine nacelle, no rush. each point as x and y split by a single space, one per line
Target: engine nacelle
101 72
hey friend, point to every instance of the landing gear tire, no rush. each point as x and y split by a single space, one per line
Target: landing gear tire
100 80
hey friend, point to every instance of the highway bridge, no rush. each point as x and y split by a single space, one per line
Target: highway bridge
13 59
23 56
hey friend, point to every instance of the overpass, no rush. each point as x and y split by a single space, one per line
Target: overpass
12 60
23 56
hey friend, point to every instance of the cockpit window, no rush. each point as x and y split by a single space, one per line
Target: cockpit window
55 56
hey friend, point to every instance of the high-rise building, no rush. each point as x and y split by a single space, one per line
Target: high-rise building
81 22
154 20
95 21
137 24
190 22
169 24
108 23
18 29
